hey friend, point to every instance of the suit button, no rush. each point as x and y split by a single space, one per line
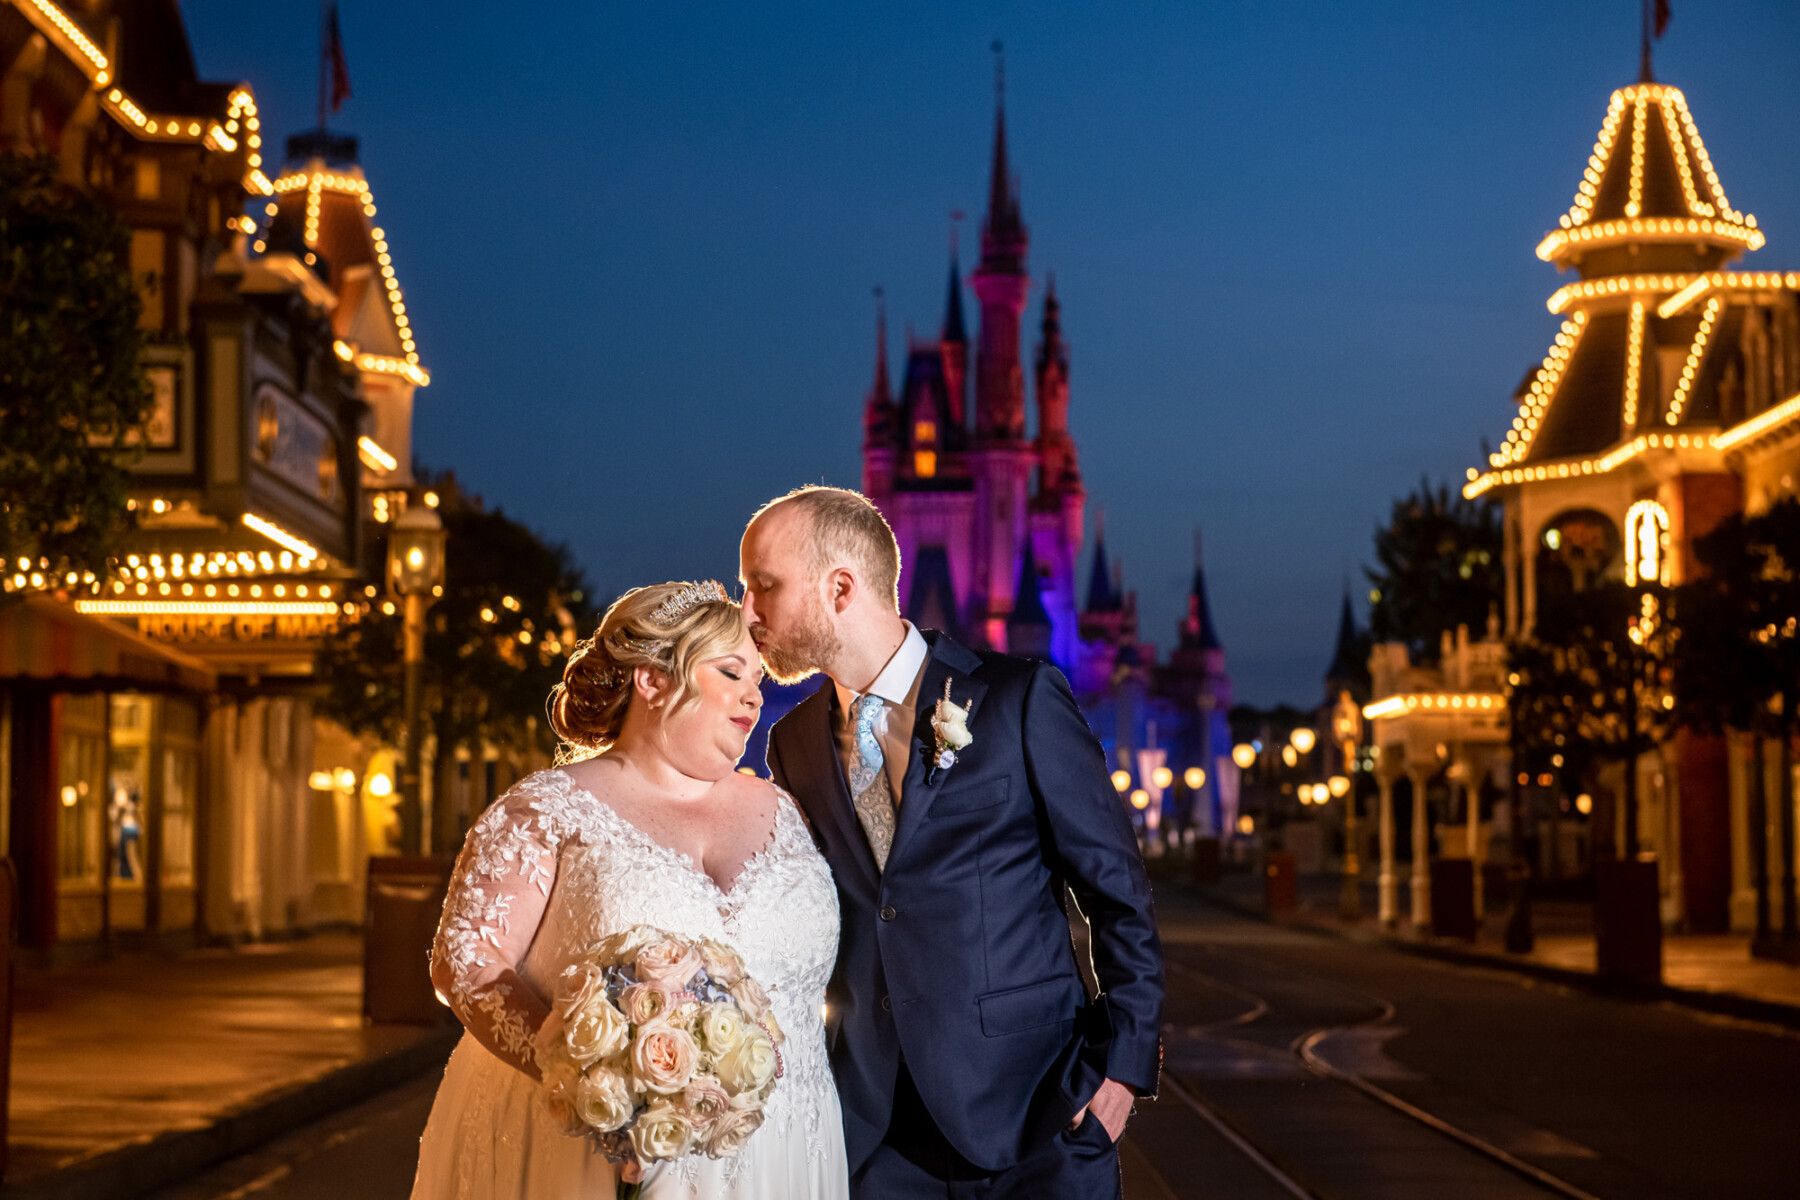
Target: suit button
887 1004
887 912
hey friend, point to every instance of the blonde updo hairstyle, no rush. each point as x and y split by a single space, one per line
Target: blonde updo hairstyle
587 709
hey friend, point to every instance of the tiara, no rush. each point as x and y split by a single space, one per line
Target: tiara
685 601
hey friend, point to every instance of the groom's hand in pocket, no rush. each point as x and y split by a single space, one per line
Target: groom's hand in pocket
1111 1106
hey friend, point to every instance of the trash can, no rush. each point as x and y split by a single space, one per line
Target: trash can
405 897
1628 922
1453 898
1281 882
1206 860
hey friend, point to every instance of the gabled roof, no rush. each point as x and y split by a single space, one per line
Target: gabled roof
323 195
1649 179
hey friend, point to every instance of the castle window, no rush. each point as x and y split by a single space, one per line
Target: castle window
925 463
925 431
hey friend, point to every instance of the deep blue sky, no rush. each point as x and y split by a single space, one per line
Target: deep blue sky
1293 244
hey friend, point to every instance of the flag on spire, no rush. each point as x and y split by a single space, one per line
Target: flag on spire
334 52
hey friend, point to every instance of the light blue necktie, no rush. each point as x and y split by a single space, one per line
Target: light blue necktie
873 795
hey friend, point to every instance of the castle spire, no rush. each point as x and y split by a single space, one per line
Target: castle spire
878 409
1198 632
1005 226
1100 595
1344 666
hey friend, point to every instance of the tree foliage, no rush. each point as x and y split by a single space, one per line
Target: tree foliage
1438 565
495 642
73 398
1736 659
1590 683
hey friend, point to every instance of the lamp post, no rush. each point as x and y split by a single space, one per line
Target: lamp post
415 570
1346 727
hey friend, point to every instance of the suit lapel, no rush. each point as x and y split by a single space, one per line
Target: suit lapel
949 663
826 793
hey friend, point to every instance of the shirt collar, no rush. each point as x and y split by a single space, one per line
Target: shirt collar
898 683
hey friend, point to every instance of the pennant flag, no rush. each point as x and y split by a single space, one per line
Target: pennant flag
340 70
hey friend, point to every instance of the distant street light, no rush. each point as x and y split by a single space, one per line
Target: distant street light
1339 784
415 571
1140 799
1303 739
1194 777
1243 754
1121 780
1347 727
1162 777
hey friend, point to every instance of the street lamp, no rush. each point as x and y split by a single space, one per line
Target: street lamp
1303 739
1243 754
1195 778
1338 784
1346 727
1121 780
415 570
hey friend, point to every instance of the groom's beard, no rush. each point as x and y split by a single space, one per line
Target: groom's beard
811 644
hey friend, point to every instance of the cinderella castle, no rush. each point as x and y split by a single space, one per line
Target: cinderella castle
991 518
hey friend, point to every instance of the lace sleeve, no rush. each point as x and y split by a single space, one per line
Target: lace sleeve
497 896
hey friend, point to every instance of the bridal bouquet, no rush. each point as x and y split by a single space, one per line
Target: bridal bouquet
658 1046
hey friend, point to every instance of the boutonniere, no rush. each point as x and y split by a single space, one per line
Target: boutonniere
950 728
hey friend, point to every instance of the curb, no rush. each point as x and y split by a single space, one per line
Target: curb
1726 1004
139 1167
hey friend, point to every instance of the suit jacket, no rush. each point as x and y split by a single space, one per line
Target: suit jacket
957 958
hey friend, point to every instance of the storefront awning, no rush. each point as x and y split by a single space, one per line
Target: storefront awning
45 639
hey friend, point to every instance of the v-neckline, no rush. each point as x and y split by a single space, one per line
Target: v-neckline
680 857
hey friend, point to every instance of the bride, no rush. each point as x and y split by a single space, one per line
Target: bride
653 826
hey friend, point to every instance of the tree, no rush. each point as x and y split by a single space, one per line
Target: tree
1589 686
1438 565
73 398
1736 662
495 641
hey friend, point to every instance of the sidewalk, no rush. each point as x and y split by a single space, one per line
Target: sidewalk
130 1073
1714 972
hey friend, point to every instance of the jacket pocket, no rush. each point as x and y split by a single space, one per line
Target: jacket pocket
969 799
1029 1007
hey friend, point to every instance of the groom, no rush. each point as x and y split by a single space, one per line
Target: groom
969 1058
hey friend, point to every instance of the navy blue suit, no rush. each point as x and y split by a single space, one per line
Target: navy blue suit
956 980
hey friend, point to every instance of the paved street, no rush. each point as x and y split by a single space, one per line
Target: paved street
1300 1065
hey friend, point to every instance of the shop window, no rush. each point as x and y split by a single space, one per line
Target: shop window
80 780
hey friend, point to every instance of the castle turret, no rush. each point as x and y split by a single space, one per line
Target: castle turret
955 342
879 432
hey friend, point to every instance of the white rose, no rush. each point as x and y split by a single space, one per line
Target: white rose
734 1127
597 1031
577 985
951 725
748 1066
750 996
622 947
721 1028
557 1095
661 1132
603 1098
721 962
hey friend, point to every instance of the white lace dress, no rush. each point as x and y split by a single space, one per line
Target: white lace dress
546 871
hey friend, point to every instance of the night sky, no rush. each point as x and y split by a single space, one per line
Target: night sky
1293 244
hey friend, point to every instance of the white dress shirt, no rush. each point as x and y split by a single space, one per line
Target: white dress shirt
898 687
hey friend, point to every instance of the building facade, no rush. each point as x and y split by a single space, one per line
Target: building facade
167 777
1669 400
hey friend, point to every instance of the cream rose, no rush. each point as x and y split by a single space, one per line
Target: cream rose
703 1102
557 1095
668 961
595 1032
643 1003
950 722
750 996
734 1127
663 1058
603 1098
576 986
748 1066
624 945
720 1028
661 1132
721 962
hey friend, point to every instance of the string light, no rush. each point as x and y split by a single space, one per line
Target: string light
1649 229
208 608
1543 387
279 536
1761 423
372 454
1634 355
1692 367
1634 206
1437 702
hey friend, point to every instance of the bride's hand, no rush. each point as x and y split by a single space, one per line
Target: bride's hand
632 1172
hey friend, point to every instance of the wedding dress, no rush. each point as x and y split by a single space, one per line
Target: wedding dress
548 870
